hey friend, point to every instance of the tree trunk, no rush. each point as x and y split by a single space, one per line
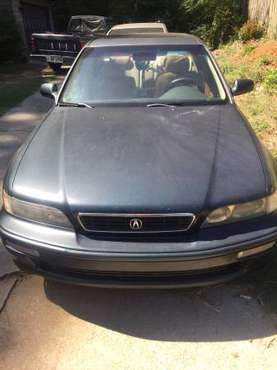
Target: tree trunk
265 12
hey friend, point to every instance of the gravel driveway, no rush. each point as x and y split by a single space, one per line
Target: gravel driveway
52 326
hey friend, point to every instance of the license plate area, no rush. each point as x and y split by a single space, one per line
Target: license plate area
54 59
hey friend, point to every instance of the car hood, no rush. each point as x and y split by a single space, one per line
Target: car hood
139 159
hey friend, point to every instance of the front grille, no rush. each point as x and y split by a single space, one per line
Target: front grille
136 223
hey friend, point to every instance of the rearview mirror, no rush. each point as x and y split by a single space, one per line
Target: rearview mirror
242 86
49 90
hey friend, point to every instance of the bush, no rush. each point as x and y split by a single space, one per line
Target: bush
214 21
10 41
251 30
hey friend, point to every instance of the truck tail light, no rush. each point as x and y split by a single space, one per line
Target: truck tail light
33 44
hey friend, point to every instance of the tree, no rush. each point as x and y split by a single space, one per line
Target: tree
215 21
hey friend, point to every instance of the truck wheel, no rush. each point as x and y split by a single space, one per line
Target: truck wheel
55 66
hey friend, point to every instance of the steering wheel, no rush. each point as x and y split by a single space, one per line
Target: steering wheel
181 81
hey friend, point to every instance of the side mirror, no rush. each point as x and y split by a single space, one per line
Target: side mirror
49 90
242 87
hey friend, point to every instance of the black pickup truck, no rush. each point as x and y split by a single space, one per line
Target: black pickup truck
59 49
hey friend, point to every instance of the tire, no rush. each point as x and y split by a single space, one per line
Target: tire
55 66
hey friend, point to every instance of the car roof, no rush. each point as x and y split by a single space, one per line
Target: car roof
146 39
138 25
88 17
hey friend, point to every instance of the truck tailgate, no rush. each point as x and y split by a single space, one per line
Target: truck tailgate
55 44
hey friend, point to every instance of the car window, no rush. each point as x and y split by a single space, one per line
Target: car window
75 25
144 75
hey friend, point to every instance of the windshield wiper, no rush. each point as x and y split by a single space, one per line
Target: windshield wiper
78 105
156 105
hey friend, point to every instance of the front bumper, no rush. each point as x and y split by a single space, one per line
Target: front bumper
215 256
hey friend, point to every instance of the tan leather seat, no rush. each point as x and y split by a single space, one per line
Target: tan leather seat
175 67
112 82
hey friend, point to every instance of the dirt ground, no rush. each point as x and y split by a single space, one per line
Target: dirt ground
267 49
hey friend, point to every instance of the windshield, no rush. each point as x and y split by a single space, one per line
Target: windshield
144 75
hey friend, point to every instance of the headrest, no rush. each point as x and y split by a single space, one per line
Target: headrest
177 64
125 63
115 67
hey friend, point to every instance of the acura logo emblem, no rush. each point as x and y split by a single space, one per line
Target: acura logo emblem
136 224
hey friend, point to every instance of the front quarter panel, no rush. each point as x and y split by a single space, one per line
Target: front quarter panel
39 177
271 164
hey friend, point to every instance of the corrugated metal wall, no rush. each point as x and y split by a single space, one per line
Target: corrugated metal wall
265 11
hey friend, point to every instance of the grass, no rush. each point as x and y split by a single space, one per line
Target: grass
255 60
248 49
13 94
18 81
270 80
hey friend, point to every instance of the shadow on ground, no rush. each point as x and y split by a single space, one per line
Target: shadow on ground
223 313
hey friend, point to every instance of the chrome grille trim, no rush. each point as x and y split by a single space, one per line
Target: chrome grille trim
136 215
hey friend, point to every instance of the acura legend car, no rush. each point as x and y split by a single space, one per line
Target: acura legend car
143 174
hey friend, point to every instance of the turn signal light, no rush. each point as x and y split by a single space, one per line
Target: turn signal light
253 251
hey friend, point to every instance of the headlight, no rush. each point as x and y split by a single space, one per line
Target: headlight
35 212
247 210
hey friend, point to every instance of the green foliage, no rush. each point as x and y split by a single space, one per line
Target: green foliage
265 61
260 126
270 80
248 49
215 21
10 41
251 30
119 11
